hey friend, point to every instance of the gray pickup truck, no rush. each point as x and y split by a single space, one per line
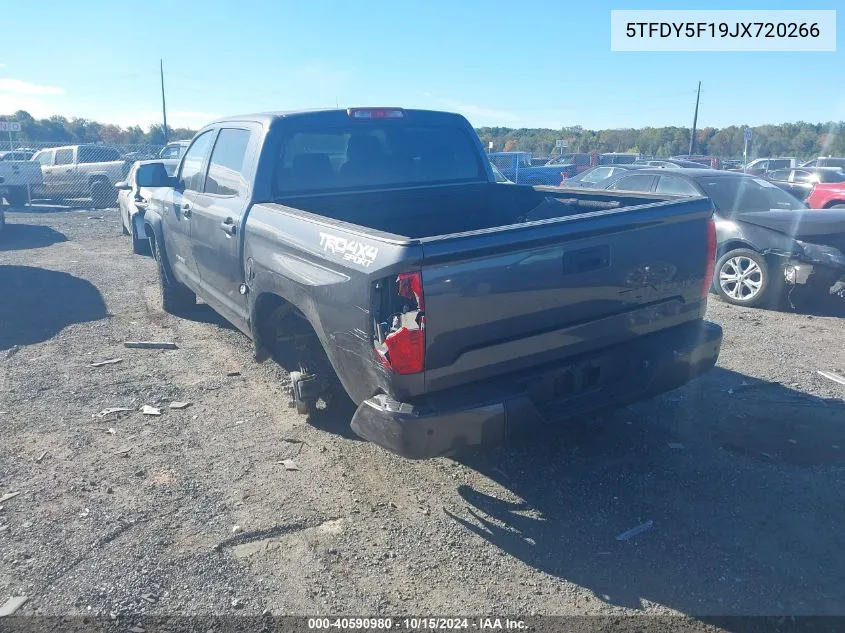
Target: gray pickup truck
371 249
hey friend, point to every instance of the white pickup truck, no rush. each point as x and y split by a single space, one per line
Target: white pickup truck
81 171
17 179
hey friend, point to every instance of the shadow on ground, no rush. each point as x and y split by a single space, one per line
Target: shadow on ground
742 481
36 304
18 237
203 313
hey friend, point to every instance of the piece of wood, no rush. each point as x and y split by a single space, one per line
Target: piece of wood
150 345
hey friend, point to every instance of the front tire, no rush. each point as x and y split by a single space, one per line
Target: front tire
837 206
742 277
176 298
103 194
17 196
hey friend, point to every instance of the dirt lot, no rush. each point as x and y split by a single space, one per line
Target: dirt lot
741 472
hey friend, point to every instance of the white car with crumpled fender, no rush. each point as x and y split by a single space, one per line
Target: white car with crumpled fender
132 203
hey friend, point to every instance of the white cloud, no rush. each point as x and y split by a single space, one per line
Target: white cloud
18 87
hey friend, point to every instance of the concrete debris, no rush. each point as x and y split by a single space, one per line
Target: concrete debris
110 410
150 345
9 495
12 604
148 410
179 405
289 464
837 378
111 361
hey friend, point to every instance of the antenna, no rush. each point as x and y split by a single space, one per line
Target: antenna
163 106
694 123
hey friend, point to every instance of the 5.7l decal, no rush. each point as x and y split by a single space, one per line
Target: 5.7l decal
352 250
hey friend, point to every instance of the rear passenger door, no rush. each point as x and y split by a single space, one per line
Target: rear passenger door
60 181
218 212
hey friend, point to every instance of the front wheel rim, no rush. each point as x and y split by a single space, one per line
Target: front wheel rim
741 278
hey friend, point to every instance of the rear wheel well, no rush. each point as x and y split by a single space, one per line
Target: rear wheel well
732 246
834 203
282 332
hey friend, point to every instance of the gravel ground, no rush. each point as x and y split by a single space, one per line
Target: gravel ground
740 473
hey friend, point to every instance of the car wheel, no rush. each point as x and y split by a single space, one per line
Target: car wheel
176 298
16 196
742 277
837 206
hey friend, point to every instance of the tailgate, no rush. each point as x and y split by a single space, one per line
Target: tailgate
504 300
20 173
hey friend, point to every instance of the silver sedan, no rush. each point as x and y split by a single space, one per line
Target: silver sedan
131 203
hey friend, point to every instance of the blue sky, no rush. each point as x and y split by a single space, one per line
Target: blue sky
518 64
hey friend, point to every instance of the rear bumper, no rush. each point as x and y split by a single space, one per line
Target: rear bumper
501 408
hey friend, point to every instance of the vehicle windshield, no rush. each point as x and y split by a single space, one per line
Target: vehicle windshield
376 155
736 195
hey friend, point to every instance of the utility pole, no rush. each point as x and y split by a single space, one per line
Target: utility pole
694 122
163 106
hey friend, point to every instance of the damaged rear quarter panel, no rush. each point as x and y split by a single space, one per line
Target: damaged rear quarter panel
326 269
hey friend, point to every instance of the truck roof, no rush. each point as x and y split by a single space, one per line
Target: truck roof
268 118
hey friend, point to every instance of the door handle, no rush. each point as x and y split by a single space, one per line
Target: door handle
186 209
228 226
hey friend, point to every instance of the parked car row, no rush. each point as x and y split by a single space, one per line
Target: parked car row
72 172
768 239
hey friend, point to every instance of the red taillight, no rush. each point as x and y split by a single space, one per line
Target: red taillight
410 287
406 350
710 268
375 113
403 349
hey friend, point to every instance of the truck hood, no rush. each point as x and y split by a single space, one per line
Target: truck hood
800 224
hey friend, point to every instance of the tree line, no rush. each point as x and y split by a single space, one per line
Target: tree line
59 129
801 139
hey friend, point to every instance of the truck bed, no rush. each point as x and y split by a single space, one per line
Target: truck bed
513 276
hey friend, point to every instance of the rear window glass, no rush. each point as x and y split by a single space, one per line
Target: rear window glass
375 155
97 154
832 176
745 193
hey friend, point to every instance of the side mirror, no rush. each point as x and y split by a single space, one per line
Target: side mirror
154 175
122 186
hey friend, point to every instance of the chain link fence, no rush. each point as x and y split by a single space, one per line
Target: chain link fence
84 175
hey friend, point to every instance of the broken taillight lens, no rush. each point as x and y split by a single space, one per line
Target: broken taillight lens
406 350
410 287
403 348
710 268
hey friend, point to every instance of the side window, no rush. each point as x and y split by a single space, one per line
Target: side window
598 174
762 165
779 174
191 173
171 152
64 156
802 176
226 167
638 182
675 185
45 158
